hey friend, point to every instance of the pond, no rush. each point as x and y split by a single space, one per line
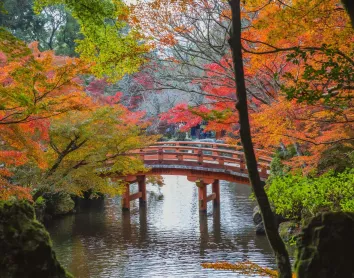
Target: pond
169 238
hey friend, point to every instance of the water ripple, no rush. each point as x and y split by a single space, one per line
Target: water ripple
167 239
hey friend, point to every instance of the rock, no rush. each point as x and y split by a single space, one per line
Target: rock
257 217
39 208
325 247
59 203
289 230
260 229
25 245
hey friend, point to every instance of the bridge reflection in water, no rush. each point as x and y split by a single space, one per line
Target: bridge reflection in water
203 163
165 238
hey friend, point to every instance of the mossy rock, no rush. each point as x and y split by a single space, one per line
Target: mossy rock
39 208
289 230
59 203
257 216
326 246
26 249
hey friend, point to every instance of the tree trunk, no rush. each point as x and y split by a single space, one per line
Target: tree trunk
349 6
275 240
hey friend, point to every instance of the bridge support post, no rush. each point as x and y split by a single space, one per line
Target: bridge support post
216 191
202 194
141 194
126 198
142 189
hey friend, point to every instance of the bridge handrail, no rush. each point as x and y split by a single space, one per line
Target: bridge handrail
213 157
180 146
179 150
213 144
185 155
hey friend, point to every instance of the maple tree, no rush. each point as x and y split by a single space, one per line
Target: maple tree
312 108
34 87
271 229
86 146
56 137
310 62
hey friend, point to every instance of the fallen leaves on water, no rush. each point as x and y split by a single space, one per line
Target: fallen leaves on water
247 267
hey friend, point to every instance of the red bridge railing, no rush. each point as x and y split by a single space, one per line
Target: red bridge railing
202 154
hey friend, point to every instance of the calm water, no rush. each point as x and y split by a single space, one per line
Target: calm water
167 239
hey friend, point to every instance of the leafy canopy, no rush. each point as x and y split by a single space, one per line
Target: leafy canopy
88 146
109 45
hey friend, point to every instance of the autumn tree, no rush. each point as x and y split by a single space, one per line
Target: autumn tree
271 228
85 147
312 109
62 138
35 86
196 59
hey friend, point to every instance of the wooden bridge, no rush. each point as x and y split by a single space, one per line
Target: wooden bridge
202 162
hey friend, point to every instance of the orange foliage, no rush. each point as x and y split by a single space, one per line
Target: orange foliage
247 268
33 89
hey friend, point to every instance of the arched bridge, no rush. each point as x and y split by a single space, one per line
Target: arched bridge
202 162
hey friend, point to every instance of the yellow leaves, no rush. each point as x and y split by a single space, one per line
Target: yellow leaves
106 136
155 180
273 123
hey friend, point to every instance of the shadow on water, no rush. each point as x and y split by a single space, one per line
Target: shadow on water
167 237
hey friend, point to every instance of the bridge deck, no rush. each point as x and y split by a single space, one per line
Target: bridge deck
201 158
202 162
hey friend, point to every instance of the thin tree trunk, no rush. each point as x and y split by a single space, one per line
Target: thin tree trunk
349 6
275 240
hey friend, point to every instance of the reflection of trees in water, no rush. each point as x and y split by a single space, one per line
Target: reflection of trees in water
239 196
79 255
155 196
102 226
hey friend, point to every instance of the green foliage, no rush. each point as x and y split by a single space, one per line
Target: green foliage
54 28
40 201
277 167
108 45
298 197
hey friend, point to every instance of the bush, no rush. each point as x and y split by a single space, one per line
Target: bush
40 201
298 197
